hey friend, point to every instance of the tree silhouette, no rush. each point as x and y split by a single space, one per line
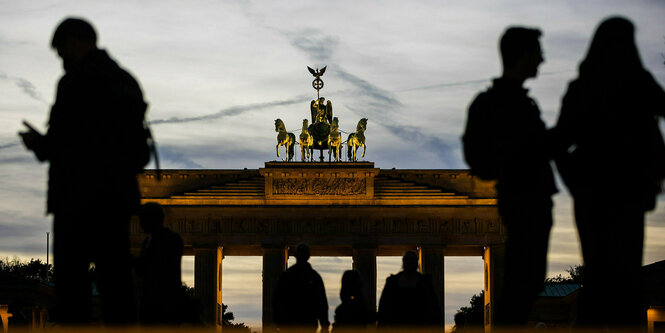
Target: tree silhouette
35 270
575 275
474 314
227 317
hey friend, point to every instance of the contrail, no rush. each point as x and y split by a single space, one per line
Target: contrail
462 83
232 111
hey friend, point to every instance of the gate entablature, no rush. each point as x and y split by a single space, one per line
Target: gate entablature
283 183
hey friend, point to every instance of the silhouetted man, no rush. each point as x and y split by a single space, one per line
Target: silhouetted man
408 300
506 140
300 301
159 266
93 153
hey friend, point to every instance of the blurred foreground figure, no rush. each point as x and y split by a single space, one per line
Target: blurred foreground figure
506 140
95 145
408 300
613 162
300 302
159 266
354 314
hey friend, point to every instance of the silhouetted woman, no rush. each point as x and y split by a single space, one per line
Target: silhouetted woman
354 313
613 162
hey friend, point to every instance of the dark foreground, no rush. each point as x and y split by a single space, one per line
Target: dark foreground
69 329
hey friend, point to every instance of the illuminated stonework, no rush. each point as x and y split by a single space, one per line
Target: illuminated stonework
339 209
319 186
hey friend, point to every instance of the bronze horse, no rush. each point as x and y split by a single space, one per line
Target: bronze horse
356 140
306 142
288 140
334 140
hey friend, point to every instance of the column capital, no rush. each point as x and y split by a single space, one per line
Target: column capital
432 247
204 248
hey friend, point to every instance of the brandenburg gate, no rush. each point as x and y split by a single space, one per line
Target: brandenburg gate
339 208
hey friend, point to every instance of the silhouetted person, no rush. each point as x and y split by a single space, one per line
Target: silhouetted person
408 299
354 313
159 266
460 322
300 301
504 128
613 165
92 187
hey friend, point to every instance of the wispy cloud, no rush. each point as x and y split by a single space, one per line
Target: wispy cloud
9 145
173 155
232 111
26 86
316 44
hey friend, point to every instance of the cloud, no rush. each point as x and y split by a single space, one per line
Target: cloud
26 86
16 159
9 145
210 156
22 234
29 89
316 44
173 155
382 98
232 111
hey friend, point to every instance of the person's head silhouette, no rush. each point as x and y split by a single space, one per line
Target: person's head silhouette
612 50
521 53
73 39
352 285
460 321
151 217
302 253
410 261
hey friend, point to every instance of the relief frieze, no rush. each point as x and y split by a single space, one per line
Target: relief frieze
319 186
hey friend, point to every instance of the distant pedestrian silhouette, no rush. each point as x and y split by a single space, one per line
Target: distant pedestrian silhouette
94 148
613 163
354 314
159 266
408 299
506 140
300 302
460 323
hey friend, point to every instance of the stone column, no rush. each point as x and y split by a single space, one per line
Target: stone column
364 261
431 261
274 263
208 283
493 258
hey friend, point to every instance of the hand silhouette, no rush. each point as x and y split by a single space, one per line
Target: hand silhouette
31 138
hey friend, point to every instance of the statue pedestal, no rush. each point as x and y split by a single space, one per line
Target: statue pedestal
320 183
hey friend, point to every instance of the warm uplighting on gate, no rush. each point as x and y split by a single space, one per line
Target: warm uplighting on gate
656 318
